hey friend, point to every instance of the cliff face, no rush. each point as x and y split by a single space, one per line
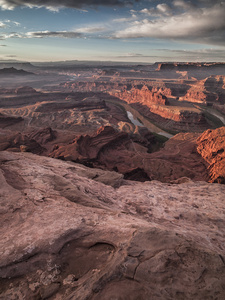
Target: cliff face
155 105
211 89
67 235
211 146
144 96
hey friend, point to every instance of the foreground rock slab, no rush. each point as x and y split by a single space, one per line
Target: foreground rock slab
67 235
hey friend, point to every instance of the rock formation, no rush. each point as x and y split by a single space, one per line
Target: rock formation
174 118
67 236
209 90
129 155
211 146
20 142
25 90
144 96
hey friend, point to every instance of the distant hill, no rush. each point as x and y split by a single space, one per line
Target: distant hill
190 66
17 65
13 71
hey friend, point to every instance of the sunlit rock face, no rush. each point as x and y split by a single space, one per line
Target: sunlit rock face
211 146
70 232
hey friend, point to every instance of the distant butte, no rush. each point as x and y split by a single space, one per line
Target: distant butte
13 71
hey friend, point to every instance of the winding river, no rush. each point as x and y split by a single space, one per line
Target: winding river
218 115
138 120
147 124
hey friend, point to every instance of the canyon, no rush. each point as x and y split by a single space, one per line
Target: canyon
112 181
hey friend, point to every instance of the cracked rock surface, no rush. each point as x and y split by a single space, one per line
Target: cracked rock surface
69 232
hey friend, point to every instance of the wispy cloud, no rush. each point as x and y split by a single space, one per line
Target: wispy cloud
9 23
60 34
132 17
90 29
4 36
57 4
135 55
42 34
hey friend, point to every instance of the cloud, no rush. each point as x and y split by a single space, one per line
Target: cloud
10 35
184 5
42 34
90 29
60 34
135 55
8 23
205 25
161 9
57 4
164 8
128 19
2 25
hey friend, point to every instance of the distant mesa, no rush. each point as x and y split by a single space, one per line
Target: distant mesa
17 65
14 72
189 66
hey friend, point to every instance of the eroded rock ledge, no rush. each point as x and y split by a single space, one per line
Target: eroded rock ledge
67 235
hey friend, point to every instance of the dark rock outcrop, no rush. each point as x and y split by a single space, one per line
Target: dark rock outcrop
6 121
12 71
23 90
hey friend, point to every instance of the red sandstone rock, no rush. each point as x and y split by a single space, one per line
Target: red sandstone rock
112 150
65 236
211 146
144 96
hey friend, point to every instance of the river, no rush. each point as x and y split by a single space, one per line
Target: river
218 115
134 121
147 124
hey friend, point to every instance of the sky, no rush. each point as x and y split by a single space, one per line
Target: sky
114 30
